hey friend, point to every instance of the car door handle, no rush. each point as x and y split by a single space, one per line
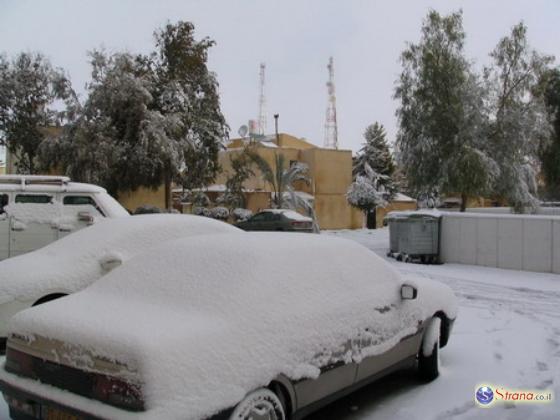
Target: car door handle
65 229
18 227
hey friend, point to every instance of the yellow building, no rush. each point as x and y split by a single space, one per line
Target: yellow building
330 172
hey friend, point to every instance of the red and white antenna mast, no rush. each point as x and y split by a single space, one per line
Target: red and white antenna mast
331 128
261 121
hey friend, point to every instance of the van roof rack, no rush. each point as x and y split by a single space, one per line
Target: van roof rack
24 180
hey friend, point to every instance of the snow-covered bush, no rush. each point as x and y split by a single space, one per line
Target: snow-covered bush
240 214
201 211
198 198
220 213
363 195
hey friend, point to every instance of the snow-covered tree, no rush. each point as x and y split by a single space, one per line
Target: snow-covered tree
375 152
185 88
550 153
368 191
148 120
442 119
119 139
519 122
30 89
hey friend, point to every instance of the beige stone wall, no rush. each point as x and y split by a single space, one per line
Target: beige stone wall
331 170
257 201
2 170
285 140
131 200
381 212
332 211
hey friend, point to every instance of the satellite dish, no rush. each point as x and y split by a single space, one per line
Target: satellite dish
243 130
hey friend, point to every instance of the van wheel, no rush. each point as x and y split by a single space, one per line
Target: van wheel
260 404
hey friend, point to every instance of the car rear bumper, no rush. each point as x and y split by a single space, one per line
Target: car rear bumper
26 406
41 398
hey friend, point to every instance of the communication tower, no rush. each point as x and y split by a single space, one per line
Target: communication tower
331 128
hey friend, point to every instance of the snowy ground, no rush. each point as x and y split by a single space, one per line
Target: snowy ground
507 335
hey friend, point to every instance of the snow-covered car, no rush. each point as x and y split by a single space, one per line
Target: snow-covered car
277 220
74 262
36 210
258 325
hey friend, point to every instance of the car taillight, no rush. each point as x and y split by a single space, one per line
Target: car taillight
301 224
19 363
118 392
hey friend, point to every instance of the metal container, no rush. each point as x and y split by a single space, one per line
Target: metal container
414 236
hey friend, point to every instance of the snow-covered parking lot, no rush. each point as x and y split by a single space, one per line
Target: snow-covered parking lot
507 335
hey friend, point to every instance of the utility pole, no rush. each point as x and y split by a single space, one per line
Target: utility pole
276 129
331 128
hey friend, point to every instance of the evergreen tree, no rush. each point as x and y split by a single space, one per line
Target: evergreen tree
441 138
29 88
519 122
375 153
550 153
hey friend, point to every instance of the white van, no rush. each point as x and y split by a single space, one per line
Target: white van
37 210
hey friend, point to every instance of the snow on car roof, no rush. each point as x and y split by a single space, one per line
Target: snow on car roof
205 321
73 262
72 187
291 214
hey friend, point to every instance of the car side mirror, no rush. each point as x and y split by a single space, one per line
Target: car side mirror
408 292
85 216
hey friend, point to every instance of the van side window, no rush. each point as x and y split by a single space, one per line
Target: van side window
3 202
33 198
81 200
78 200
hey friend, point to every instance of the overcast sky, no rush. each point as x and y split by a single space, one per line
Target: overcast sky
293 37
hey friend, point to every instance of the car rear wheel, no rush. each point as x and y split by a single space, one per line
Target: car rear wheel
262 404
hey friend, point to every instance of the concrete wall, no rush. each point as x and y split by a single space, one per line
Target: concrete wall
517 242
542 211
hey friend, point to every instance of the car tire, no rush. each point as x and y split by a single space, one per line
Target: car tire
428 365
262 403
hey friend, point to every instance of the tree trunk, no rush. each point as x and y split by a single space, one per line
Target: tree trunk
463 202
167 182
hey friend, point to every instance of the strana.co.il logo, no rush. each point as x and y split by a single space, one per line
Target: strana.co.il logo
484 395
